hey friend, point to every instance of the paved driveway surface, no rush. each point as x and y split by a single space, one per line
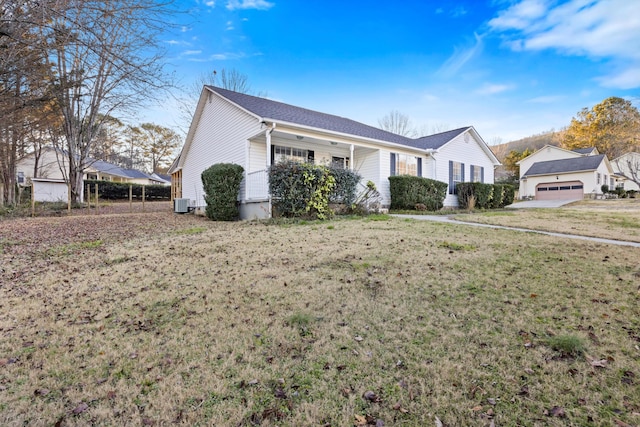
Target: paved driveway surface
541 204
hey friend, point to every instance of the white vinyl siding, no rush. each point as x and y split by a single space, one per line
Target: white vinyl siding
220 137
469 153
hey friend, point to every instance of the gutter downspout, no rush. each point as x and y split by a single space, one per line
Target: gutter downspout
431 152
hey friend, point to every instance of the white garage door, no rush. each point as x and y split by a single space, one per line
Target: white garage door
560 190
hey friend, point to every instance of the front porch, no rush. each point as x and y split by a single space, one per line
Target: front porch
272 146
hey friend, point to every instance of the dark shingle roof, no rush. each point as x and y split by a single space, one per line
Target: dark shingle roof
268 109
584 150
439 139
575 164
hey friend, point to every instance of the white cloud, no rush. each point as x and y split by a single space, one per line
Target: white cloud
192 52
460 57
546 99
492 89
458 12
598 29
210 3
627 79
249 4
230 26
520 15
219 57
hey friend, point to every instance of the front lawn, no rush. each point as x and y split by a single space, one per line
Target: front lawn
607 219
175 320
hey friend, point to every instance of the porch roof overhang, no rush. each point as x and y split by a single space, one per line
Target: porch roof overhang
338 137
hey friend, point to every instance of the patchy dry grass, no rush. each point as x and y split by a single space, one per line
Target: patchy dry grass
608 219
190 322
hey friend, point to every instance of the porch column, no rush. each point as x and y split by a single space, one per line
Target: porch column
268 137
351 157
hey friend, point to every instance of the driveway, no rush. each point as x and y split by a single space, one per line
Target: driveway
446 219
541 204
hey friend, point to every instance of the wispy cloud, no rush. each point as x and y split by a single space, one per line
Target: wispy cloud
225 56
460 57
178 43
598 29
230 26
492 88
548 99
210 3
192 52
249 4
459 11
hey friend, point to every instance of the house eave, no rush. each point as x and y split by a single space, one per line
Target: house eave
282 127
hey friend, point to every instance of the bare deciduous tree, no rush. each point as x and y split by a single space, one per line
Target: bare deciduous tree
106 58
398 123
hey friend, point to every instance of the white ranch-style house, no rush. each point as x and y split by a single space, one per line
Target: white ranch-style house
52 164
254 132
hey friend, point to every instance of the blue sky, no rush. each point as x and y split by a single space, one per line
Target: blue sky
509 68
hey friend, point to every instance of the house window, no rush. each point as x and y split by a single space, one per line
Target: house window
612 183
406 165
598 178
20 177
340 162
456 175
281 154
477 173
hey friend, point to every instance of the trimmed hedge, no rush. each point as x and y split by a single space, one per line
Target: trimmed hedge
486 196
408 191
221 183
303 189
110 190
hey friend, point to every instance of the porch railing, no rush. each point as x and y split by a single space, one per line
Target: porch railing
257 185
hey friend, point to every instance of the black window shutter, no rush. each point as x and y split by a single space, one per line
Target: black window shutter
393 164
450 176
310 156
419 166
462 174
471 170
481 174
273 153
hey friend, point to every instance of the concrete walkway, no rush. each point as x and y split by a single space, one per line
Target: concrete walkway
445 219
541 204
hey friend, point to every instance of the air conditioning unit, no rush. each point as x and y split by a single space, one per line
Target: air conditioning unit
181 205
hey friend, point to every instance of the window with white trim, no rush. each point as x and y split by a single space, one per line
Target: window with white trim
281 154
406 165
476 174
457 175
598 178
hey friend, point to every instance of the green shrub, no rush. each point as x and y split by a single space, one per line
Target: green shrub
221 184
498 196
109 190
508 195
346 183
301 189
481 193
408 191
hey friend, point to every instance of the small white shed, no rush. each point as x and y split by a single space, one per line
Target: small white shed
50 190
